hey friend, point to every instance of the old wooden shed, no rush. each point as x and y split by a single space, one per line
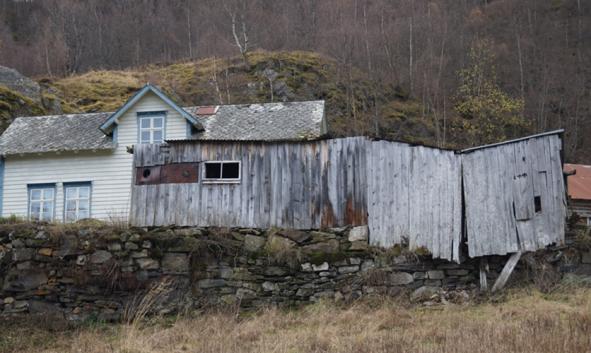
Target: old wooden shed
499 199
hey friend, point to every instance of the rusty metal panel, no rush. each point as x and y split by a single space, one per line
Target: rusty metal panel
147 175
177 173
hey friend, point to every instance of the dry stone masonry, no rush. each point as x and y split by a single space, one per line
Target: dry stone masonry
89 271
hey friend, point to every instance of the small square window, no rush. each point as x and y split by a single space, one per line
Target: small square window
157 123
231 170
41 202
222 171
213 170
151 127
77 201
145 123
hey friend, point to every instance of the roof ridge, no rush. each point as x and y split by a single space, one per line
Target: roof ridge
185 106
253 103
59 115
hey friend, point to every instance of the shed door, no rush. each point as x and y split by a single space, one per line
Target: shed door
523 197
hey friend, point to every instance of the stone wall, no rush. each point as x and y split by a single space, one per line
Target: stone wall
92 271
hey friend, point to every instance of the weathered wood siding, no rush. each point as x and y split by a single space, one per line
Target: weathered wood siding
406 194
500 186
291 185
414 197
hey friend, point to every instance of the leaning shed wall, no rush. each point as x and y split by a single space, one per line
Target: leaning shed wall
414 197
288 184
514 196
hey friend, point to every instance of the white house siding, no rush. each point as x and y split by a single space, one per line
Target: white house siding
109 172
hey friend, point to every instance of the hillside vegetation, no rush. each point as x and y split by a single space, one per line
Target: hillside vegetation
353 100
356 104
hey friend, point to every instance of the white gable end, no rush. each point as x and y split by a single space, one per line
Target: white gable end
127 127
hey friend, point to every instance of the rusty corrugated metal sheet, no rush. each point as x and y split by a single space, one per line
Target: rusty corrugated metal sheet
579 185
207 110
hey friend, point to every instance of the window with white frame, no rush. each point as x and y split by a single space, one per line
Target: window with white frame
222 171
76 202
151 127
41 202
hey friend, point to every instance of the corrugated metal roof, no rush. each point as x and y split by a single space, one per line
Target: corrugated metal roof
579 184
207 110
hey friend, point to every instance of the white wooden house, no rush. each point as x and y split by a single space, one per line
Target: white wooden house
70 167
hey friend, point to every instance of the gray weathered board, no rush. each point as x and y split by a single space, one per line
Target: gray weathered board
500 186
289 185
405 194
414 197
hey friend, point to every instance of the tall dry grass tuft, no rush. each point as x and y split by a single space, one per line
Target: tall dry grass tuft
526 321
137 310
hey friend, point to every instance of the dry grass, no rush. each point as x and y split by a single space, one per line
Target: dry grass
525 321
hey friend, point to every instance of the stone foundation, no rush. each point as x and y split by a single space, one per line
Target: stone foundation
102 272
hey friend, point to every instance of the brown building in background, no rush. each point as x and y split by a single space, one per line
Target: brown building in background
579 190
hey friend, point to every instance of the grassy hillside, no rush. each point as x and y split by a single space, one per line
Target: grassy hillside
349 93
14 104
356 104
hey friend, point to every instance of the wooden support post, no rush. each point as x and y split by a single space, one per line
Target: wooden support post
507 270
483 271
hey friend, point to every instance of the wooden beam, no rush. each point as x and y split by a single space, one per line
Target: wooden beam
507 270
483 271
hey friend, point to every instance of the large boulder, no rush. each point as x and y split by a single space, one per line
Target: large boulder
17 82
22 281
296 235
100 257
175 263
401 278
425 293
360 233
253 243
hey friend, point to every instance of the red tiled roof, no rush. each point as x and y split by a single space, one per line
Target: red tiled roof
579 185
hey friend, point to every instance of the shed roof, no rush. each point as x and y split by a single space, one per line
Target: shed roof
261 122
579 184
296 121
55 133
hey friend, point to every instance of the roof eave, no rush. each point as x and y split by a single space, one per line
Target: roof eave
73 150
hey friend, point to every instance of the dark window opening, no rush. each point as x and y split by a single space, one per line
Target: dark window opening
231 170
146 173
222 171
538 204
213 170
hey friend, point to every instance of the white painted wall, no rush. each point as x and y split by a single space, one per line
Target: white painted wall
109 172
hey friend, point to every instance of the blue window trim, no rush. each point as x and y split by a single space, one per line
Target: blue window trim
75 184
115 134
189 130
41 186
141 115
